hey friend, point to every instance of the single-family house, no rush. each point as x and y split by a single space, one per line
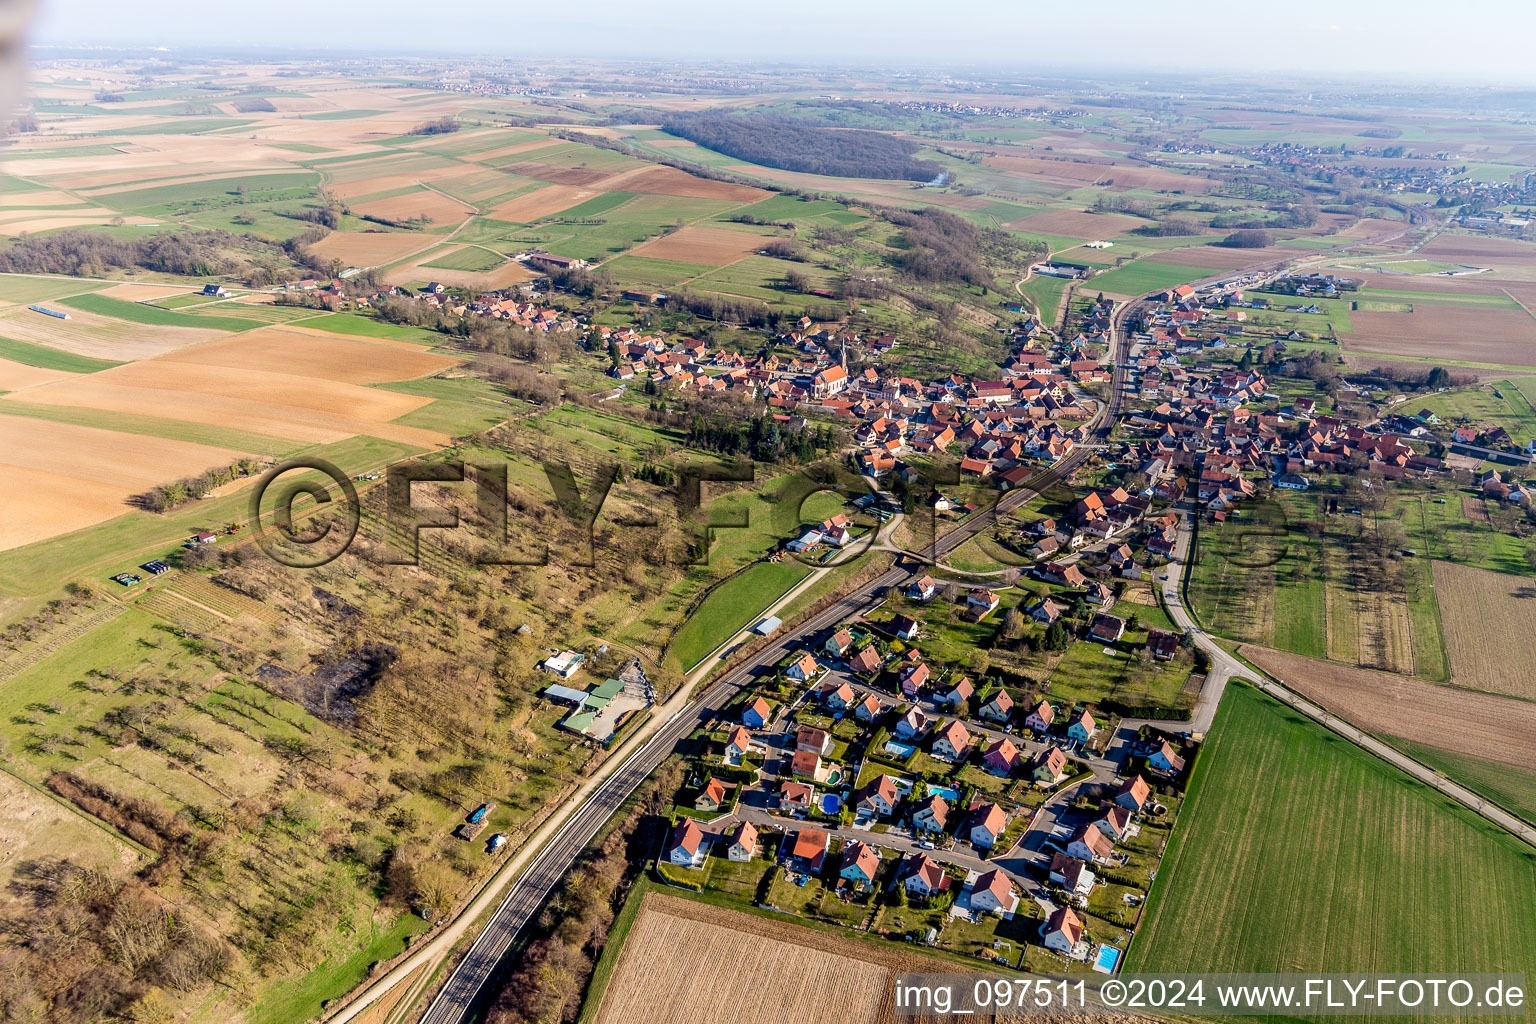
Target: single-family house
1072 874
806 764
1162 644
1082 728
1051 766
816 740
987 824
951 741
993 892
981 601
837 644
805 668
1133 794
837 696
922 590
757 714
869 710
711 795
997 707
1113 822
686 848
1106 629
904 627
866 662
932 815
861 862
810 849
959 693
1090 845
1001 757
737 744
878 798
1165 761
796 795
1063 931
1041 717
911 724
743 843
922 876
913 678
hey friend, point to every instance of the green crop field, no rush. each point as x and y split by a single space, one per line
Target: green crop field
471 258
156 426
21 289
1512 787
617 228
367 327
139 313
1145 276
644 270
187 192
51 358
1298 851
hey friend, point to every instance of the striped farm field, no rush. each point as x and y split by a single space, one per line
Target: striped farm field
1297 851
1488 616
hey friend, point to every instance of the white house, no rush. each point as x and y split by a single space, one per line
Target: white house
993 892
1063 931
687 848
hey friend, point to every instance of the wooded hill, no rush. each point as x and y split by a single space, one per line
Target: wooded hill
791 145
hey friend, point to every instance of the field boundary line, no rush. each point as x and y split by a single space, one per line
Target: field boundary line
89 819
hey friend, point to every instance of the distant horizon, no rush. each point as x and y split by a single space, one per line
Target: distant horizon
1312 40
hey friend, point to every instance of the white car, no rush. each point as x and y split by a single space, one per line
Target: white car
926 845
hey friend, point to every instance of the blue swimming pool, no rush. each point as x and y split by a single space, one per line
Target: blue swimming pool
1107 960
949 793
830 803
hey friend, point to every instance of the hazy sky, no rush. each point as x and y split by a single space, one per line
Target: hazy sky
1408 39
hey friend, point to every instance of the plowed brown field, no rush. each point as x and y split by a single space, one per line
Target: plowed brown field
551 199
371 248
690 961
715 246
1479 724
62 477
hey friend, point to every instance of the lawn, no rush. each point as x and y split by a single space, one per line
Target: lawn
1502 402
1298 851
139 313
731 606
1088 673
645 270
461 405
